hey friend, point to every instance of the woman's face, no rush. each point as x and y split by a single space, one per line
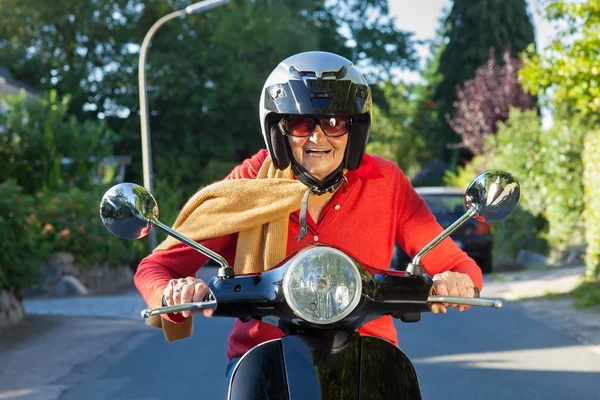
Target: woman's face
319 154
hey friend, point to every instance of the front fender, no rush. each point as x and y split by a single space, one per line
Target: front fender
301 367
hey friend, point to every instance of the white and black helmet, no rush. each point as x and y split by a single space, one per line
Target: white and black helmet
315 83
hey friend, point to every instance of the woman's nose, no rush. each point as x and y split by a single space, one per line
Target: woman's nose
317 133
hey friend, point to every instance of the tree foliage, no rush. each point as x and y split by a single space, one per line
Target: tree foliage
566 75
392 135
591 162
485 101
549 167
42 147
471 28
425 113
567 71
204 72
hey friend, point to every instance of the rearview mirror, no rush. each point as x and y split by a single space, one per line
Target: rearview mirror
128 211
493 195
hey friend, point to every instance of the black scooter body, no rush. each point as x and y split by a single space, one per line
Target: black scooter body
315 367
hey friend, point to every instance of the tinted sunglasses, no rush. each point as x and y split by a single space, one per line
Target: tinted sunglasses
304 125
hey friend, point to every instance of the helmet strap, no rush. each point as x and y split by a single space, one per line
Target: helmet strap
331 183
315 186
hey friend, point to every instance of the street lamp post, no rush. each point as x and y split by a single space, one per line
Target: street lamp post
144 110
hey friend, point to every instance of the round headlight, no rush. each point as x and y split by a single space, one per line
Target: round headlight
322 285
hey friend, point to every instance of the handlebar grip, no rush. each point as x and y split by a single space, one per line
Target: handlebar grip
201 305
467 301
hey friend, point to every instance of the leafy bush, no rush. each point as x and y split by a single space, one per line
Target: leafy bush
509 235
70 222
549 167
587 294
20 251
591 161
33 226
391 136
43 148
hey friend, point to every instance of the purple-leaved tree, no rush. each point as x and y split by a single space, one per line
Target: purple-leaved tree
485 100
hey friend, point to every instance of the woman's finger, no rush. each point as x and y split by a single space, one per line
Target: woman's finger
187 294
200 294
466 289
168 292
440 288
200 290
177 292
438 308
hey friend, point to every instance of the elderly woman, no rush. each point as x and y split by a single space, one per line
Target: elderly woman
315 115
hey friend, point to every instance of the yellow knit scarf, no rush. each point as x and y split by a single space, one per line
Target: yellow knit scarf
258 209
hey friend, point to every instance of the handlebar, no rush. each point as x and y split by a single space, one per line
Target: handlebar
200 305
212 304
466 301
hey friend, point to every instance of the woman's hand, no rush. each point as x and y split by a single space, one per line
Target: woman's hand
186 290
451 284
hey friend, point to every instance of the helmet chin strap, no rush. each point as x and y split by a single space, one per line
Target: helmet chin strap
315 186
331 183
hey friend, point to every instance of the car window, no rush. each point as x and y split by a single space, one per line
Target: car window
442 204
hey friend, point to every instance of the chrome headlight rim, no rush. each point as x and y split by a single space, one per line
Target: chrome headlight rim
354 269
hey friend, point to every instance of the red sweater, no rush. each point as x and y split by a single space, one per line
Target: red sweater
378 207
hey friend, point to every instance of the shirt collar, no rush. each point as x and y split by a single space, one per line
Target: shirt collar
366 170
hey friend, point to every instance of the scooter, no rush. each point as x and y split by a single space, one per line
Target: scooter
319 297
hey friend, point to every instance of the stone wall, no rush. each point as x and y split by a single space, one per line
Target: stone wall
62 277
11 309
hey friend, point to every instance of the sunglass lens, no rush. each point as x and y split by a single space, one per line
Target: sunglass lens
335 126
300 126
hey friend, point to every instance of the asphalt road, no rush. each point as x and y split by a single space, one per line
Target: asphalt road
478 354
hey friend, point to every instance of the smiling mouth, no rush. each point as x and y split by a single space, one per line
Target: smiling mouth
317 151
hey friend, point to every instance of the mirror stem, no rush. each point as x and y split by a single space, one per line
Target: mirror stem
207 252
468 215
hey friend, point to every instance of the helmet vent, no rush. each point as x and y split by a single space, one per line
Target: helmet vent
339 74
295 73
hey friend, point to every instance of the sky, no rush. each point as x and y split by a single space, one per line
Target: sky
422 17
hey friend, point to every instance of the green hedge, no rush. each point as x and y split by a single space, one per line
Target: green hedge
48 198
591 174
548 164
71 222
20 250
32 226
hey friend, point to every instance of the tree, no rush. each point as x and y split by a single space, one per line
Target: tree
392 136
565 74
567 71
425 120
485 101
45 148
370 37
204 72
201 69
71 47
469 31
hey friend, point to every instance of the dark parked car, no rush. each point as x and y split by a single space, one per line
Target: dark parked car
474 237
